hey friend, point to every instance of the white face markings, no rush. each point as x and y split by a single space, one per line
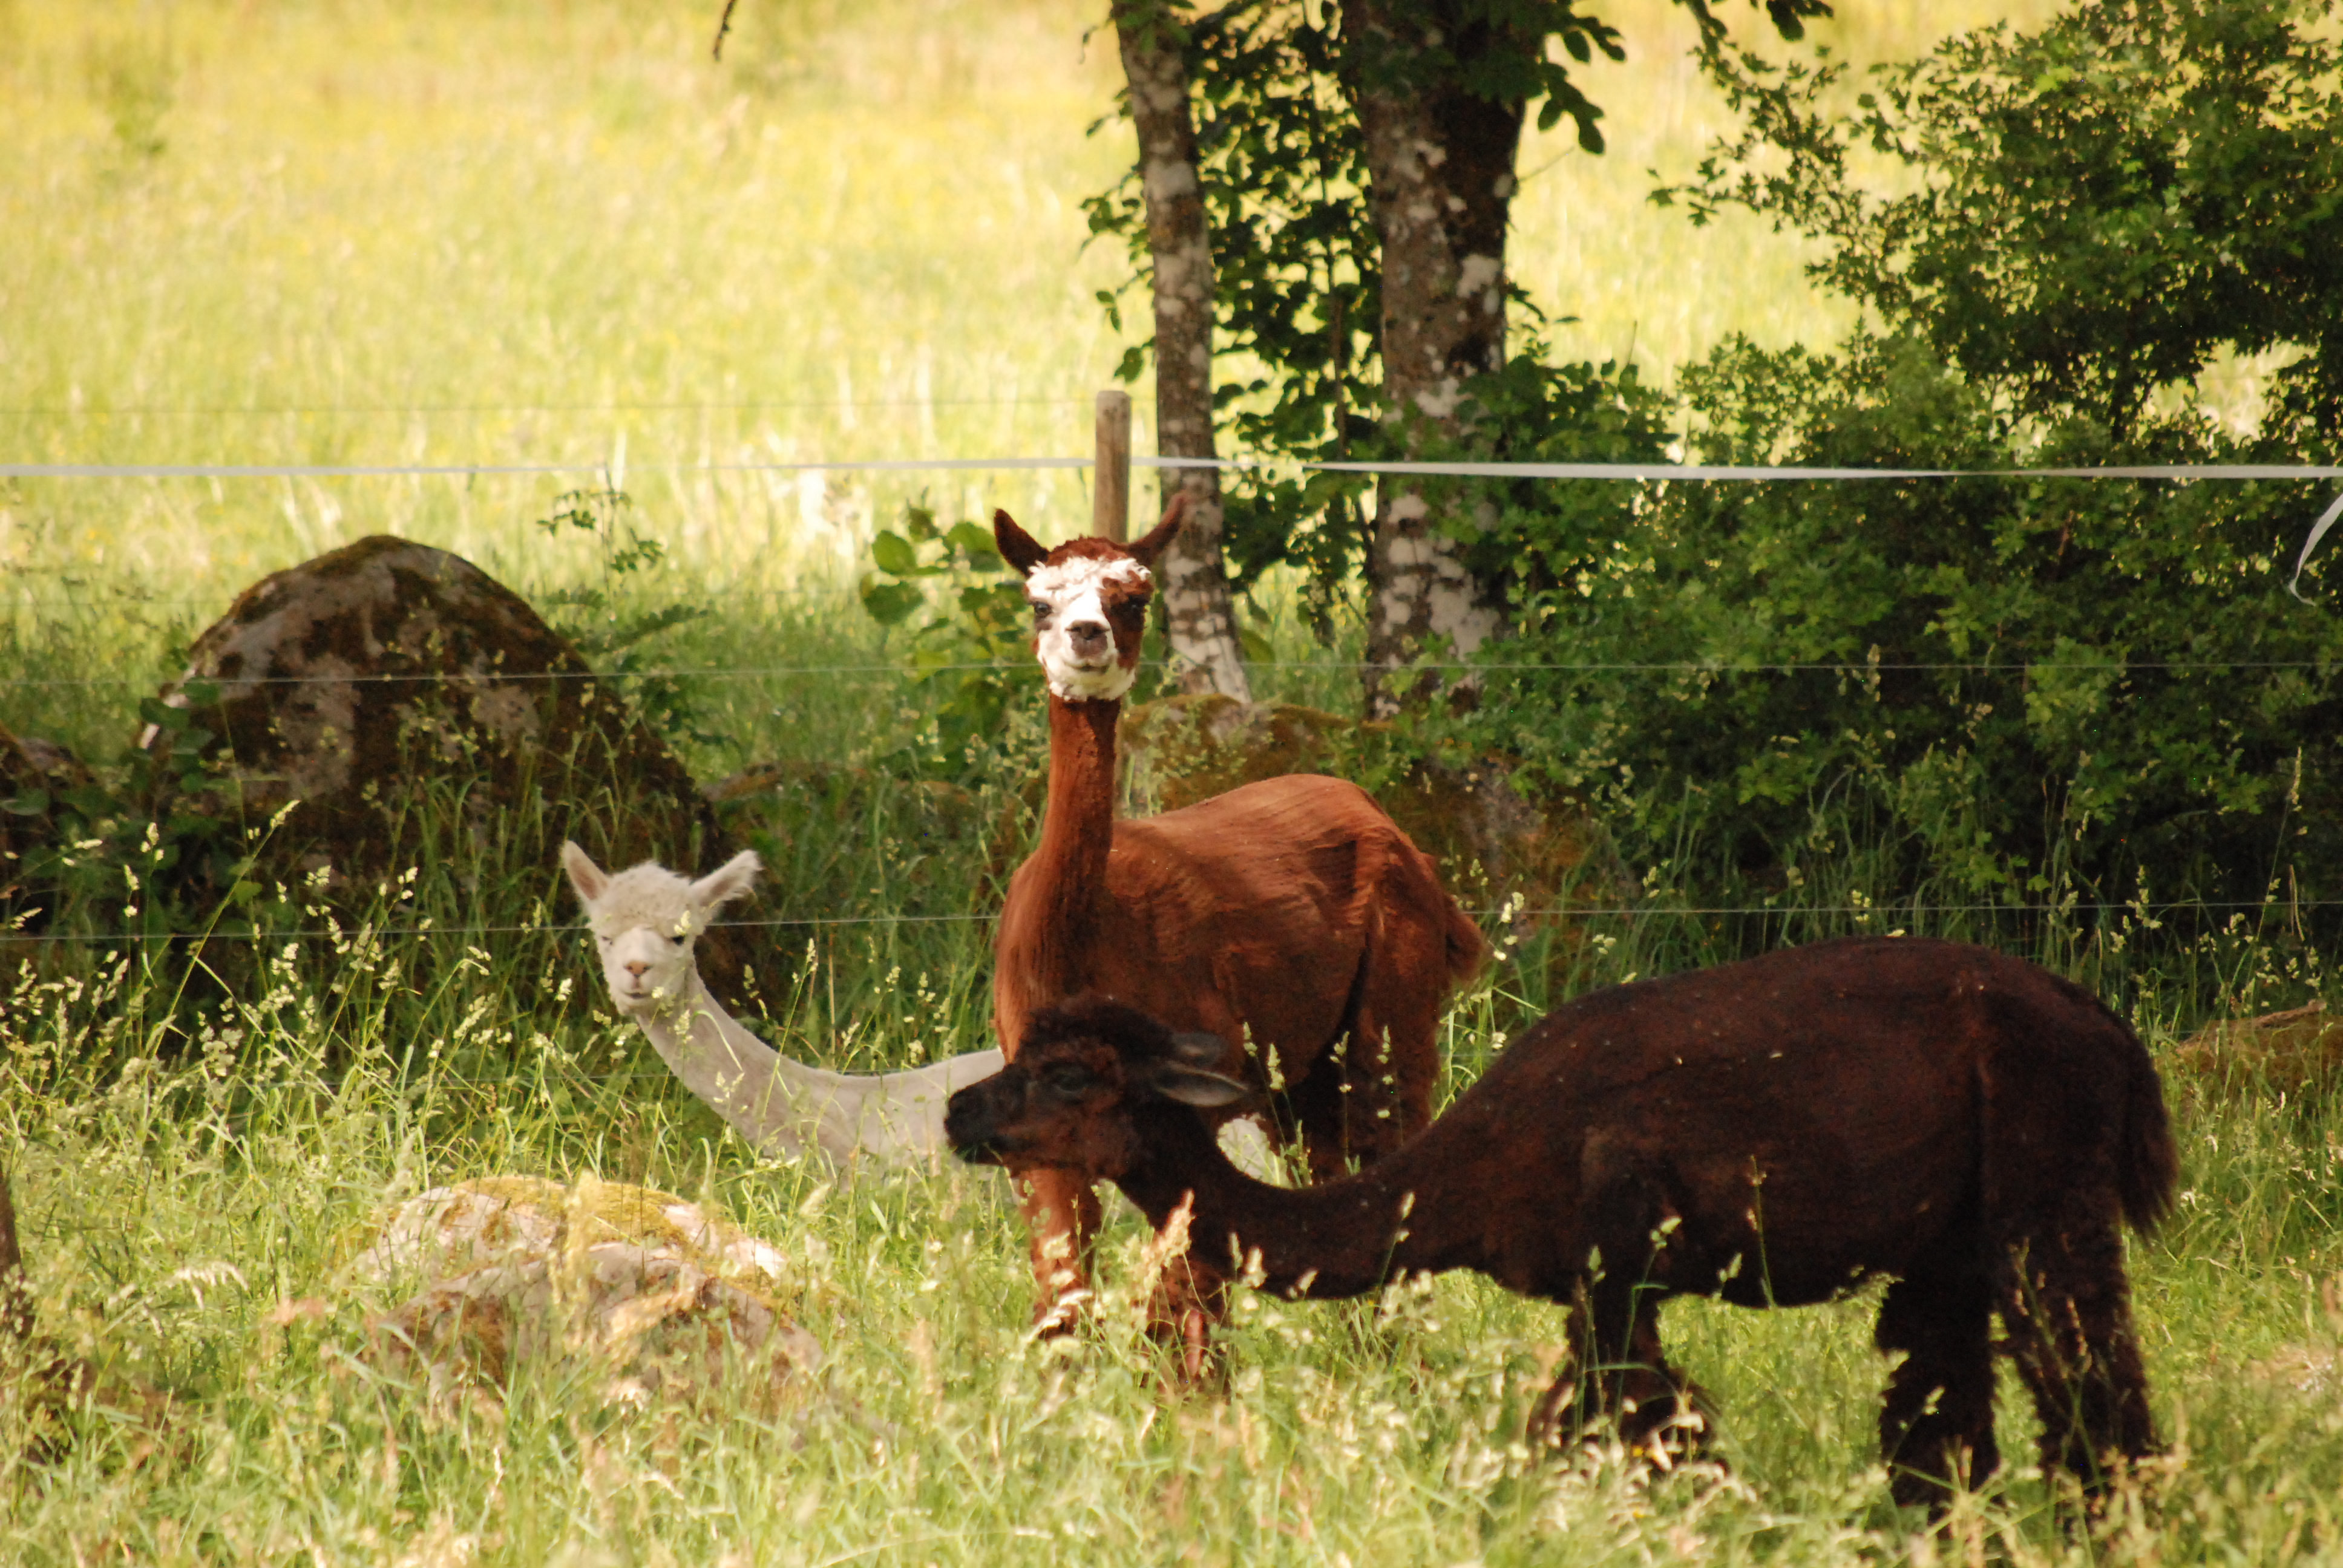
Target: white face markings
1075 637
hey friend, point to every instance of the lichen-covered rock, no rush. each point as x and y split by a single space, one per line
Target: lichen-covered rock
2294 1051
395 706
1487 839
643 1290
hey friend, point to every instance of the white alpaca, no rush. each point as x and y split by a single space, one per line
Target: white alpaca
644 919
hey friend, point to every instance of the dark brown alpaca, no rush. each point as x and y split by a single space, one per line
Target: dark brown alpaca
1771 1132
1292 911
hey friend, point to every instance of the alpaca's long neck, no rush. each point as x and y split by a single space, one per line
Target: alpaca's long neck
1068 869
775 1103
1406 1214
786 1108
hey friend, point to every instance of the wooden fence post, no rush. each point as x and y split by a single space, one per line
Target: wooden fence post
1111 477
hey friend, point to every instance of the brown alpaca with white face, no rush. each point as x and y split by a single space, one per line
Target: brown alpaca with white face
1293 912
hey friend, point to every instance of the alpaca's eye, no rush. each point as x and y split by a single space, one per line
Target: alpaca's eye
677 939
1068 1078
1041 610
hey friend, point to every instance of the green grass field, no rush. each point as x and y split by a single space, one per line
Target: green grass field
362 232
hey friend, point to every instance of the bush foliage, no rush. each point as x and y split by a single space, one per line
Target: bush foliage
2028 687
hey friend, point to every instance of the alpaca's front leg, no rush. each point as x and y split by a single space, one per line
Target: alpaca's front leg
1189 1303
1616 1372
1063 1212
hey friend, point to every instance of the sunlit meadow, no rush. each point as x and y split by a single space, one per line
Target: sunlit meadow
375 233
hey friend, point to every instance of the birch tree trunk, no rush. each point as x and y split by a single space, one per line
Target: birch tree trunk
1194 586
1441 175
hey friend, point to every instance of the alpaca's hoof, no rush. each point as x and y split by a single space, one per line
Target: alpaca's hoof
1193 1360
1063 1314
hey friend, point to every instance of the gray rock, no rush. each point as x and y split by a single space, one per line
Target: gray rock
389 705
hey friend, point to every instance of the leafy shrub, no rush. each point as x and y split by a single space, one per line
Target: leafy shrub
2028 684
2028 688
609 633
970 656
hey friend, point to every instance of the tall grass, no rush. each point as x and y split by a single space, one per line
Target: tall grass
172 1196
189 1156
376 232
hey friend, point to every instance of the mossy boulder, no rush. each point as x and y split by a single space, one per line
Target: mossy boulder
388 705
652 1296
2297 1052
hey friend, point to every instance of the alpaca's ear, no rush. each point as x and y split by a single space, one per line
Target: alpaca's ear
1199 1049
1144 550
589 880
728 881
1018 548
1194 1086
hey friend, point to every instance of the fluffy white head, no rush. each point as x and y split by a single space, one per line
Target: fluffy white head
1088 615
646 919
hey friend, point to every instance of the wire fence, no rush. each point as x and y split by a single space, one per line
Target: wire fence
1639 473
1611 472
360 931
767 671
206 410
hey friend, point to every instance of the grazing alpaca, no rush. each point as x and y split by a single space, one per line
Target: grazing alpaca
1291 914
644 919
1770 1131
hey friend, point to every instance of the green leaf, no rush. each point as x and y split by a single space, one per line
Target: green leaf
982 553
163 715
920 522
890 603
895 554
31 803
91 799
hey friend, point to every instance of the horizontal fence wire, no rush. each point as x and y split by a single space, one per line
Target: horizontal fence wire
361 932
54 411
1629 472
588 465
755 672
1621 473
128 601
1641 473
